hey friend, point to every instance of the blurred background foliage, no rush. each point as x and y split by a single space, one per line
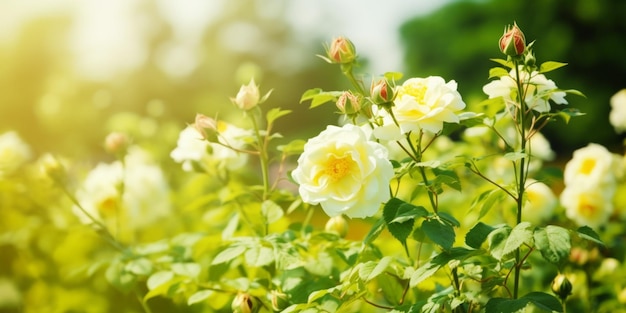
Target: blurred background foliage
61 102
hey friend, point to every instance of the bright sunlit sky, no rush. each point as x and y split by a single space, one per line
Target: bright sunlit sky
106 36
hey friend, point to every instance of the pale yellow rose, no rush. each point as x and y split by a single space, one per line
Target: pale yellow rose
426 103
248 96
591 166
344 172
540 202
617 117
588 206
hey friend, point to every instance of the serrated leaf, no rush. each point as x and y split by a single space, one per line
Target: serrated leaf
274 114
497 241
553 242
293 147
372 269
376 229
588 233
504 305
447 177
309 94
440 233
423 273
503 62
199 296
399 230
259 255
228 254
544 301
477 235
550 66
521 233
159 278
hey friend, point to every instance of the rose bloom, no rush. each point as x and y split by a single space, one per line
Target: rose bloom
426 103
592 165
14 152
194 151
344 172
617 117
135 193
588 206
536 97
540 202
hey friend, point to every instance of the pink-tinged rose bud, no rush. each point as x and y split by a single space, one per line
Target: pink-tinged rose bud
204 122
116 143
248 96
512 42
381 91
279 301
341 51
348 103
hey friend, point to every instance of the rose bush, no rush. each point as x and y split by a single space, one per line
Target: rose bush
415 202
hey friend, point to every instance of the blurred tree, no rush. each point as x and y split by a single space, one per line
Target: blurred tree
457 42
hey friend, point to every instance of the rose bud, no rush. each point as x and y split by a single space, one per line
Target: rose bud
561 286
348 103
244 303
203 122
279 301
116 143
341 51
381 91
337 225
512 42
248 96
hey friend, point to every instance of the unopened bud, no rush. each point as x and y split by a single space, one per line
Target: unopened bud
279 301
337 225
116 143
562 287
203 122
382 91
248 96
244 303
348 103
341 51
513 42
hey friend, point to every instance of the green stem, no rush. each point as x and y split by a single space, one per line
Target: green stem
522 171
262 146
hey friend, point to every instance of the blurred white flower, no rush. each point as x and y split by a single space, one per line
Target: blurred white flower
194 152
134 194
539 92
540 147
617 117
588 206
591 166
540 202
425 103
344 172
14 152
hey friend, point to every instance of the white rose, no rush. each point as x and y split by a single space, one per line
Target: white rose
539 90
344 172
591 166
540 202
588 206
617 117
191 147
426 103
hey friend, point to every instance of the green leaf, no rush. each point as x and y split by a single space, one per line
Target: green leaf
449 219
159 278
491 198
187 269
141 267
498 72
492 106
440 233
259 255
503 62
319 97
228 254
544 301
553 242
504 305
376 229
199 296
118 276
402 228
497 241
294 147
521 233
275 113
447 177
372 269
515 156
271 211
567 114
550 66
393 76
477 235
424 272
588 233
